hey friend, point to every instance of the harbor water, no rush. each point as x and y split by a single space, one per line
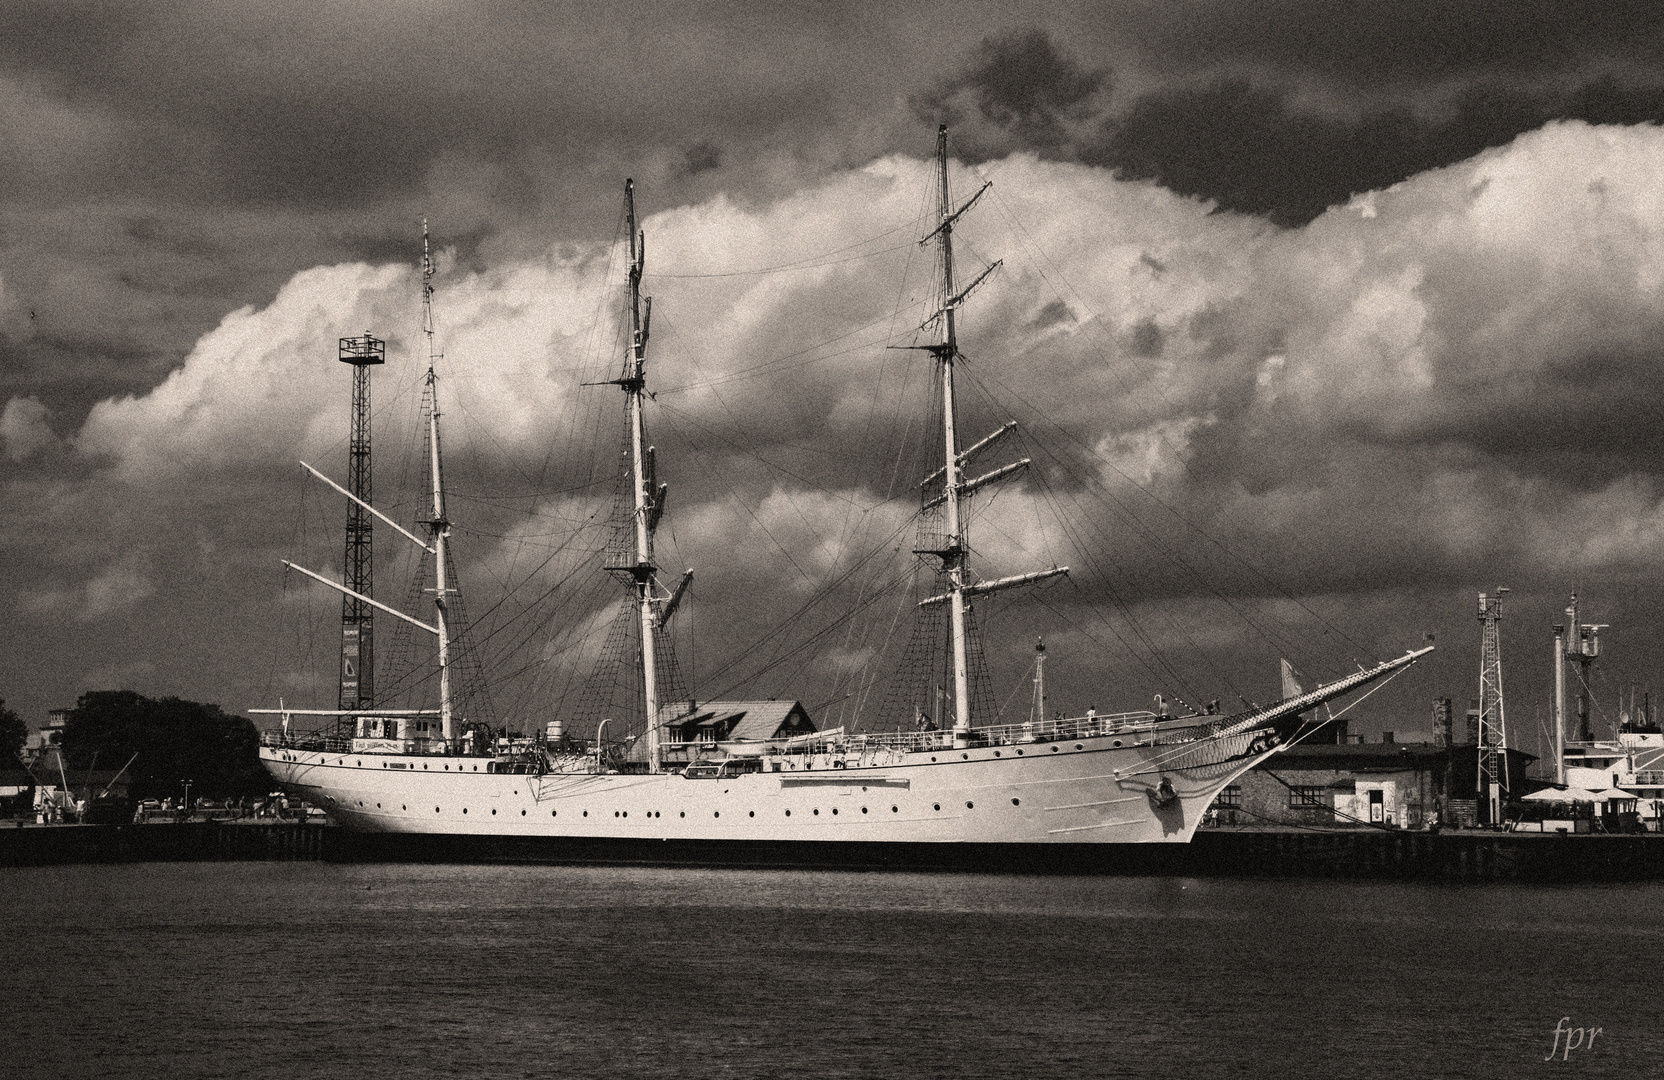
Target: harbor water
307 969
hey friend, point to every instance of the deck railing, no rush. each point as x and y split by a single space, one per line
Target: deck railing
1142 724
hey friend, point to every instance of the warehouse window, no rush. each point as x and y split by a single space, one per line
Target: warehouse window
1306 796
1230 798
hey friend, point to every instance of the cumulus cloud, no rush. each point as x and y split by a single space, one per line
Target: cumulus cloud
1237 425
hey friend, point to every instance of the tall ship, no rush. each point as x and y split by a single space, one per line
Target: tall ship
755 782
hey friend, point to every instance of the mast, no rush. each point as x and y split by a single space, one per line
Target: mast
955 489
1039 708
439 527
647 501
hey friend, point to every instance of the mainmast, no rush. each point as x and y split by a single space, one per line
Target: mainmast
439 527
653 605
955 489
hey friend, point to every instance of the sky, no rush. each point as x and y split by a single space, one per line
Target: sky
1318 319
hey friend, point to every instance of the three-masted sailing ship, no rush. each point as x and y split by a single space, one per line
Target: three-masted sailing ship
1060 791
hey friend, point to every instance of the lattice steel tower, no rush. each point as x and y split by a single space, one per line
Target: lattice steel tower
1492 787
357 625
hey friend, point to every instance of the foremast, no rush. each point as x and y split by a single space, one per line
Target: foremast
439 526
439 531
955 488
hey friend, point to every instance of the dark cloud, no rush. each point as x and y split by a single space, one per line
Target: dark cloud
1397 43
1022 86
1262 144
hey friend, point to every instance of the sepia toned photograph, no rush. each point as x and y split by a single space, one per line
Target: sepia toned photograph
847 540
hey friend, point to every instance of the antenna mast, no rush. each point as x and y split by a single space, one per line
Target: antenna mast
1492 777
357 616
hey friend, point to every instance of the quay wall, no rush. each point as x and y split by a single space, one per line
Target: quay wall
193 841
1454 857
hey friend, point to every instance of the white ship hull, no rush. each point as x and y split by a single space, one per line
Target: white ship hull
1097 789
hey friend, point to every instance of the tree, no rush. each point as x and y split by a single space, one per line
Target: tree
174 740
13 733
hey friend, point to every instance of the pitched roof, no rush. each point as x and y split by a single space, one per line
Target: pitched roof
751 720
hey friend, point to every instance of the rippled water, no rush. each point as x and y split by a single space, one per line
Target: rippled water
183 970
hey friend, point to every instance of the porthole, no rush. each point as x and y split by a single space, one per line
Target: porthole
464 809
1054 749
996 753
1015 802
684 813
938 806
402 806
817 812
447 768
834 809
716 813
615 813
553 813
788 813
586 813
967 757
1117 742
522 813
493 812
751 813
895 809
970 806
933 757
436 809
378 806
1078 746
424 765
863 809
626 813
360 764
